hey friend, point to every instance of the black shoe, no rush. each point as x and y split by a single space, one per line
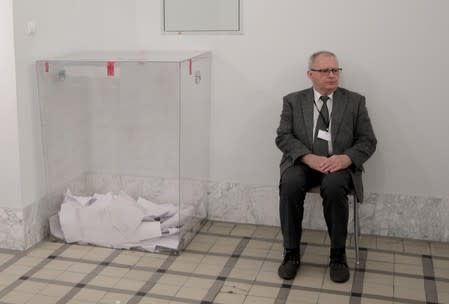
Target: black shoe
290 265
338 268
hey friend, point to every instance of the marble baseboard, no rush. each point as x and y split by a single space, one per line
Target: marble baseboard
414 217
395 215
240 203
12 228
36 215
21 228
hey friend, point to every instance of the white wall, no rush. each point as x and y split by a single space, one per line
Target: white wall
9 145
61 27
393 52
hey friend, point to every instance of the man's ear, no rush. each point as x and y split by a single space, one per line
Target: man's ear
309 74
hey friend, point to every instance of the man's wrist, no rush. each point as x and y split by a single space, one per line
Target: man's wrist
348 160
305 158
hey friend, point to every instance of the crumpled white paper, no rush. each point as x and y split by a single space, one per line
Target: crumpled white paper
118 221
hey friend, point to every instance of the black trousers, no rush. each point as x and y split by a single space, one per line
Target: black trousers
334 189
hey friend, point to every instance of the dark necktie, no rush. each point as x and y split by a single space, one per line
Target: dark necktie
321 146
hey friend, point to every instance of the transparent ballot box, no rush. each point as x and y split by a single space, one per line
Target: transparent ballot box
126 147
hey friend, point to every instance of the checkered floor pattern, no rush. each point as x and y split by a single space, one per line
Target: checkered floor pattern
226 263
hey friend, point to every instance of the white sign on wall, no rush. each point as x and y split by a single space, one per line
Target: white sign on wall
196 16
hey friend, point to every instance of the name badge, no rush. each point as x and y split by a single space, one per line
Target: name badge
324 135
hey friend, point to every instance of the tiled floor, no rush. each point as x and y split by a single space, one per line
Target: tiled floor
226 263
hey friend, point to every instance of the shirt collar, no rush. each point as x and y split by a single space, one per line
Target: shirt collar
317 95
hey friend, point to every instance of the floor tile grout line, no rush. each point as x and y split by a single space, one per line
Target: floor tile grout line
230 279
146 268
87 278
93 262
226 270
406 275
150 283
11 261
285 288
260 258
118 265
430 287
32 271
268 259
363 295
114 290
358 279
275 240
18 254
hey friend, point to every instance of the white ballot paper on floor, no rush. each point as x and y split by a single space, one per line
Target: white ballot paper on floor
118 221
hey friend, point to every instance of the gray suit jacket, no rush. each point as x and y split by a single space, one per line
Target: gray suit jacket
352 133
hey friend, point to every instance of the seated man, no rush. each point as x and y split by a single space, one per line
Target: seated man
325 135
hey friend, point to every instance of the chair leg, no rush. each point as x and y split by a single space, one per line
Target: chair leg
356 229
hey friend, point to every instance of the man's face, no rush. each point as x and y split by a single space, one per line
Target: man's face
324 83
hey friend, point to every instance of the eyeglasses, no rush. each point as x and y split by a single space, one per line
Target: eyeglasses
328 71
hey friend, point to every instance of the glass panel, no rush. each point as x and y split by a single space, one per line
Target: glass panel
121 129
194 145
